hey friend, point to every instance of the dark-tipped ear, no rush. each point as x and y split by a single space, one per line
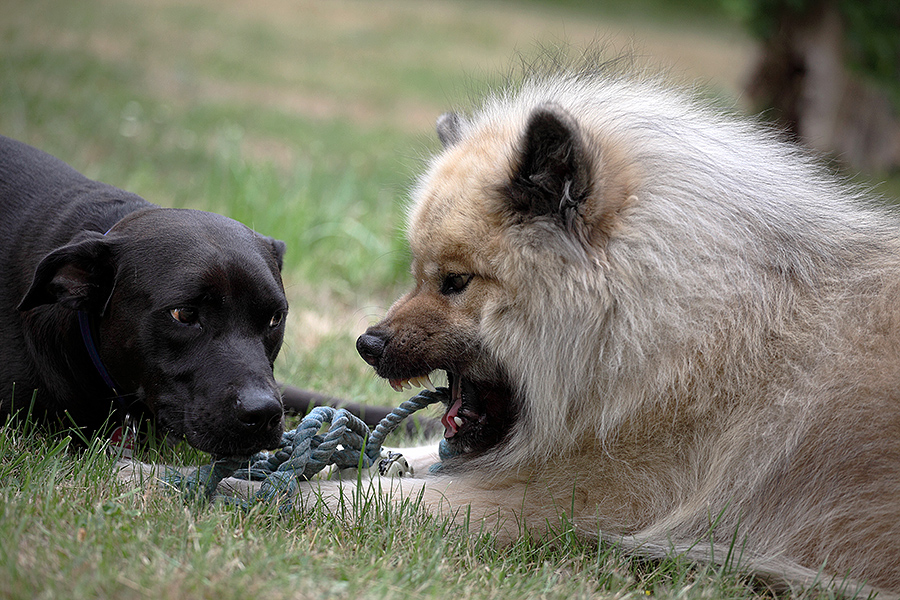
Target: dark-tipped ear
553 174
449 129
78 276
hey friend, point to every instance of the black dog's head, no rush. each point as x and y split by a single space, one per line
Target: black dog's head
189 313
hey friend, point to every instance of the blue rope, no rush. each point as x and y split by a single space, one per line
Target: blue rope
304 452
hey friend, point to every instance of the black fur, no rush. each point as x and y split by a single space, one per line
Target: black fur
207 377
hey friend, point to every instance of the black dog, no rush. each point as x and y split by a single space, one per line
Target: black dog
110 303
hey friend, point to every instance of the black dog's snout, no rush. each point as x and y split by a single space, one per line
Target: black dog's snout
259 409
370 347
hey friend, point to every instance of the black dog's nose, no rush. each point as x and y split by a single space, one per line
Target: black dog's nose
259 409
370 347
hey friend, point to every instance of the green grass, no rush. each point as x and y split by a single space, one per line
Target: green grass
306 120
67 530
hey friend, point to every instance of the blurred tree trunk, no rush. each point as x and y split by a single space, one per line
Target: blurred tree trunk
802 75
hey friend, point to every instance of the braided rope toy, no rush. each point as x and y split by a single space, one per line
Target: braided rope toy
304 452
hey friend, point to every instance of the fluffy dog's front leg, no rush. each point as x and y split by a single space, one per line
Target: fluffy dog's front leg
502 511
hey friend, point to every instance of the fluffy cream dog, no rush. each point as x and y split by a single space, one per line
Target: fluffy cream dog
654 316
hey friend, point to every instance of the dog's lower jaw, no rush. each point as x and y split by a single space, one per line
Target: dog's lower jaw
236 439
232 445
218 434
478 416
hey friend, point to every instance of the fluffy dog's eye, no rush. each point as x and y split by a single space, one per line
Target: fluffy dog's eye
186 315
454 283
277 319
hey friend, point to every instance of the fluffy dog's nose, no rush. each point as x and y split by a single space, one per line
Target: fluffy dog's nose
258 409
370 347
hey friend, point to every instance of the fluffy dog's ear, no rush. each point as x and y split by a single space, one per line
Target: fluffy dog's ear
553 174
78 276
449 129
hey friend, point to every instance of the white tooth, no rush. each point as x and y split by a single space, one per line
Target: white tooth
425 380
406 384
459 422
415 382
396 387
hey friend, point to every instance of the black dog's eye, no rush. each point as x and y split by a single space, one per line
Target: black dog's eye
277 319
187 315
454 283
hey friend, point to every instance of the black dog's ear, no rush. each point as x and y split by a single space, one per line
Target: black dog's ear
553 174
278 249
449 129
78 276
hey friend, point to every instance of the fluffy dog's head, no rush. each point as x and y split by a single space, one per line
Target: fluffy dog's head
508 232
591 245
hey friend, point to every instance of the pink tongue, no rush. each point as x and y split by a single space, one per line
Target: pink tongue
450 427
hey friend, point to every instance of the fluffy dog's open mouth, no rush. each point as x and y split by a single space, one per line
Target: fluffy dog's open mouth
478 415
